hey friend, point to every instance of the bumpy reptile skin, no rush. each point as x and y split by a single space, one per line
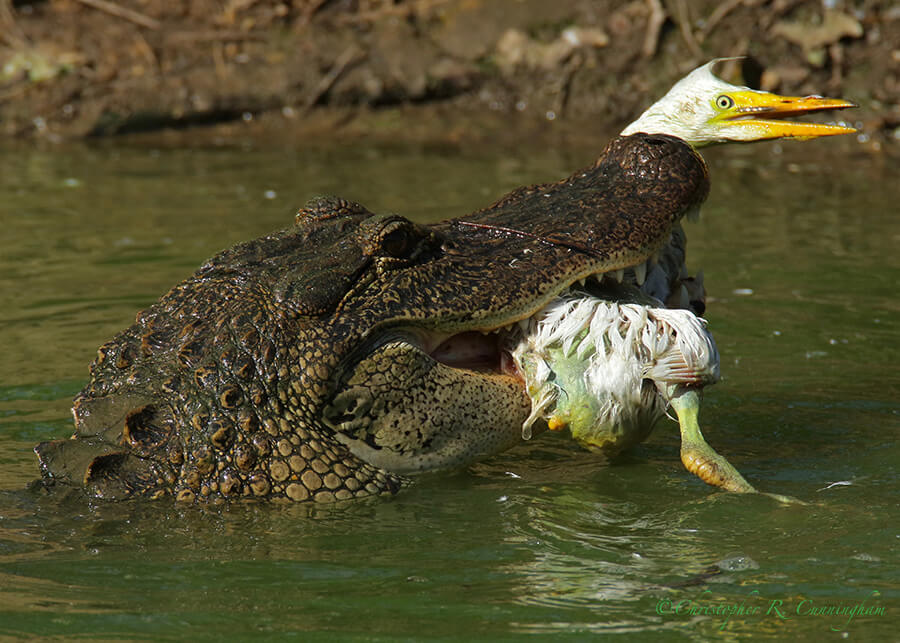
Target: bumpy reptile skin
283 368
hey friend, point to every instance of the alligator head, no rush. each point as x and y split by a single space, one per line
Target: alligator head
328 360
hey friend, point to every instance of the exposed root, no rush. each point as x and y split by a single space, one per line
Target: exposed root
121 12
347 58
655 22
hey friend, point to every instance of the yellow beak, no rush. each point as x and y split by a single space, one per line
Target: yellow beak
751 115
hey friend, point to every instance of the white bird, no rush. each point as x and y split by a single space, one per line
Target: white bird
702 109
608 367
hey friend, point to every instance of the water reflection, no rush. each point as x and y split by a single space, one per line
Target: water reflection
542 539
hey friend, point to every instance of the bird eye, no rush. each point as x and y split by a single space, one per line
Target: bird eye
724 102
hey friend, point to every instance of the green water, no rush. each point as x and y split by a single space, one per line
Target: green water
802 268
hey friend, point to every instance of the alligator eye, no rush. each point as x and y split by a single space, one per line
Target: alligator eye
398 240
724 102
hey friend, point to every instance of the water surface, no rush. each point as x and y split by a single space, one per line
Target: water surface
802 270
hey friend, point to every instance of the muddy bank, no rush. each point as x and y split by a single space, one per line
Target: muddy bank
423 69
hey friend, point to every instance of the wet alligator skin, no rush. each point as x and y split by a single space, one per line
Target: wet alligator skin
272 371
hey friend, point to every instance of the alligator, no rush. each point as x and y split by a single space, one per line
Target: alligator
335 358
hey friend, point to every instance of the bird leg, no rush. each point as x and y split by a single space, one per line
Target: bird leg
696 455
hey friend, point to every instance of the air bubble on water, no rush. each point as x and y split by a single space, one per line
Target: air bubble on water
737 564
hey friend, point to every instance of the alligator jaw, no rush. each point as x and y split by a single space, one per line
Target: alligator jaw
485 349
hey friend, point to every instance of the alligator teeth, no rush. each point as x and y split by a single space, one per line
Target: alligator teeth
693 213
582 280
654 259
684 299
618 275
640 273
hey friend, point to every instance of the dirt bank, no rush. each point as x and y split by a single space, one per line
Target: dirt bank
428 69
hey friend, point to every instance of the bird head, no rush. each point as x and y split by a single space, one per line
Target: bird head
702 109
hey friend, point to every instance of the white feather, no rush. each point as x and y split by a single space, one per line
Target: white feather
623 346
687 110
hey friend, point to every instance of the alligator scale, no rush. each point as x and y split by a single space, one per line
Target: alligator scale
331 359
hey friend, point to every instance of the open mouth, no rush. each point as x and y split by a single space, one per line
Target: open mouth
788 107
760 115
661 280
